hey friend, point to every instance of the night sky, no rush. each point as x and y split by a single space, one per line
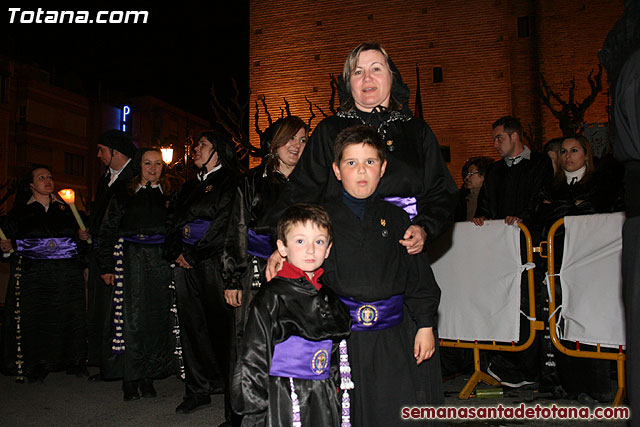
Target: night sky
176 56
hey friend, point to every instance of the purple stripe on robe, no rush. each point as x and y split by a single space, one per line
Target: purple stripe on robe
53 248
260 244
153 239
194 231
408 204
297 357
375 315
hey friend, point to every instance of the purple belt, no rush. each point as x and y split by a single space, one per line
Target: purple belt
408 204
297 357
153 239
194 231
375 315
54 248
260 245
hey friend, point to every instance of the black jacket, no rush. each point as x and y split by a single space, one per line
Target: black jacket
209 200
415 168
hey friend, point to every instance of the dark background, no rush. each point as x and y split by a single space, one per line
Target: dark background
182 51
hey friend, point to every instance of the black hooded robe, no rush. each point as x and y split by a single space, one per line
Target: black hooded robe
51 298
367 263
148 322
283 308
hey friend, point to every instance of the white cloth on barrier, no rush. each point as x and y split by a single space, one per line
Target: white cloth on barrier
480 281
591 280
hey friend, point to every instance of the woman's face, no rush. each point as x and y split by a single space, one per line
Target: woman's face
473 179
290 153
572 155
42 182
151 167
201 152
371 81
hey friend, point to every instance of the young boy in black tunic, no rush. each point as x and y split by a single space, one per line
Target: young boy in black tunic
392 296
283 376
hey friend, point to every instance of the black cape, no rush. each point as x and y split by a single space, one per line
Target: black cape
147 298
368 263
52 298
415 168
283 308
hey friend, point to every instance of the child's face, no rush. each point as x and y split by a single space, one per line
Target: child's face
360 170
307 246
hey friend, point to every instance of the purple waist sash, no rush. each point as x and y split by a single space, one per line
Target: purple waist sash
153 239
54 248
194 231
297 357
408 204
375 315
259 245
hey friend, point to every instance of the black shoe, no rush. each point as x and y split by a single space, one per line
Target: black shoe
146 388
130 390
192 403
95 378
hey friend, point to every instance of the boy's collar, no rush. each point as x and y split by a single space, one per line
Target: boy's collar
290 271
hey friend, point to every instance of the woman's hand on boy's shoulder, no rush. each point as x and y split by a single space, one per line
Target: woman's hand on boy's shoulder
274 264
424 345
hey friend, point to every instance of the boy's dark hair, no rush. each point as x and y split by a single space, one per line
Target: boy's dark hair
511 125
301 213
359 134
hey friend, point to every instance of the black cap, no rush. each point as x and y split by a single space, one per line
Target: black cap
118 140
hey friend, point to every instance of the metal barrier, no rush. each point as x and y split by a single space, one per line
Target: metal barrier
534 325
619 357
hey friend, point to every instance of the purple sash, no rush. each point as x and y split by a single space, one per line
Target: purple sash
54 248
408 204
154 239
260 245
194 231
297 357
375 315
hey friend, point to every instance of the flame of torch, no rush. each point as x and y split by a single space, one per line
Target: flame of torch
69 196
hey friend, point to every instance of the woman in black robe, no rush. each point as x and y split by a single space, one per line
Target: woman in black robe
44 329
417 179
196 231
140 346
259 189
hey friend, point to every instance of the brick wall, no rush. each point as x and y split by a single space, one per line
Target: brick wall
488 70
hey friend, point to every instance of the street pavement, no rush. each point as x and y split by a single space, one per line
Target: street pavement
64 400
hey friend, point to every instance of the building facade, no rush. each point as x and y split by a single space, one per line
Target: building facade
478 60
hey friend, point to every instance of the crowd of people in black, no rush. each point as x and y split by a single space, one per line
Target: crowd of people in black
172 271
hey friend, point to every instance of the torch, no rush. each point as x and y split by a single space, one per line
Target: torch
69 196
4 237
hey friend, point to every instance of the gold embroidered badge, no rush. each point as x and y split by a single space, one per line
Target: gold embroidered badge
208 188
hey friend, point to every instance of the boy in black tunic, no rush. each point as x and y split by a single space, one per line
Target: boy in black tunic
392 296
283 376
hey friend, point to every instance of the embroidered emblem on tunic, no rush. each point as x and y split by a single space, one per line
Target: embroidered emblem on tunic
320 362
367 315
208 188
51 245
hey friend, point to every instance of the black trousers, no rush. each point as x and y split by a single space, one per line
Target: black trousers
205 328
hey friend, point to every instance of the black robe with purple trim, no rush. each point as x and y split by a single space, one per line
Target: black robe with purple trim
283 308
367 263
148 321
52 295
